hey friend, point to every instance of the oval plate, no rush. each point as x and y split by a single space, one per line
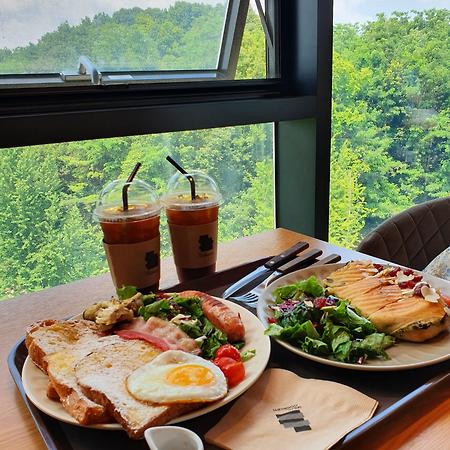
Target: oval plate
404 355
35 381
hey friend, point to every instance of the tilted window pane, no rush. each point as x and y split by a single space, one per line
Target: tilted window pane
119 35
391 113
48 193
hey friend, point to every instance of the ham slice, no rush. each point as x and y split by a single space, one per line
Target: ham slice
161 333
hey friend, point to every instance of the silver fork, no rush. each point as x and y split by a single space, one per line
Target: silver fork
251 297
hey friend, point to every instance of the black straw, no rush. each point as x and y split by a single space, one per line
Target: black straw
181 170
127 185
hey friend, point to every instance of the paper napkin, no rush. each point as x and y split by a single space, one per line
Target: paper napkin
284 411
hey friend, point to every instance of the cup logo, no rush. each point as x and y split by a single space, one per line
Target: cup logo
205 243
151 260
292 417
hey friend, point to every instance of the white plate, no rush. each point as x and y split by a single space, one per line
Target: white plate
404 355
35 382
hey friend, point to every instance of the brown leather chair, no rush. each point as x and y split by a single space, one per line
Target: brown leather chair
413 237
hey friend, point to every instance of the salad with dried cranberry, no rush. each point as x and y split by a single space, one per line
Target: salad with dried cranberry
323 325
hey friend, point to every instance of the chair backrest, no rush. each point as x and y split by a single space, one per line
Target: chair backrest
413 237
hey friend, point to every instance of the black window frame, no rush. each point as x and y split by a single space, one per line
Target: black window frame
299 97
89 73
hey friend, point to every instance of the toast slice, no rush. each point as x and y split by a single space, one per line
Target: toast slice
51 392
102 376
55 347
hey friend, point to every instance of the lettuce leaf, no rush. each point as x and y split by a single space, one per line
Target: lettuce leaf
214 339
372 346
159 309
310 287
295 333
345 315
191 304
315 347
249 354
126 292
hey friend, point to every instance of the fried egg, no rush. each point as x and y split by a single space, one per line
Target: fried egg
177 377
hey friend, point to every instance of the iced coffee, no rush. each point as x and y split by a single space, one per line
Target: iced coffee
193 223
131 235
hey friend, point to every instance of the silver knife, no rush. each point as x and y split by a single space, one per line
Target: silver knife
265 270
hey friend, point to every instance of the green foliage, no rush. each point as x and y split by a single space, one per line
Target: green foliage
391 121
390 146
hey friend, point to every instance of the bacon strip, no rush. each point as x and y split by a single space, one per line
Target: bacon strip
157 342
161 333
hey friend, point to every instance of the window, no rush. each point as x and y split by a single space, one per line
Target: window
48 193
131 41
74 124
391 116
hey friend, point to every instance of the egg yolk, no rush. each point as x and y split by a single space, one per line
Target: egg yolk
190 375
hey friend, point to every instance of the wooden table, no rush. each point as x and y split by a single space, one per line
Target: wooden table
427 426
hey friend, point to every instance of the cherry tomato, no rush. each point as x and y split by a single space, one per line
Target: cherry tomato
229 351
233 370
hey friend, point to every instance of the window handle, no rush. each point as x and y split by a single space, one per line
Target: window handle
86 72
87 67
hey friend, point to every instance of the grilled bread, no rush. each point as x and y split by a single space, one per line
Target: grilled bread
411 319
350 273
55 347
102 376
368 294
378 296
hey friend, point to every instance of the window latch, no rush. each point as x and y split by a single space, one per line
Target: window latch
87 71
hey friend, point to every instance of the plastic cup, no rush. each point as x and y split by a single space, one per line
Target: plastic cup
193 224
131 237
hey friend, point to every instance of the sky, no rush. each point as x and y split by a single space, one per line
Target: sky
351 11
24 21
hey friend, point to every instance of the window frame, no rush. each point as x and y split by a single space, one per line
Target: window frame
89 74
302 94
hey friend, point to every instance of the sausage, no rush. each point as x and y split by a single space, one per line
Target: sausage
220 315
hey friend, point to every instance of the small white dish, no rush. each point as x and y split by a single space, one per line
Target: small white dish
172 438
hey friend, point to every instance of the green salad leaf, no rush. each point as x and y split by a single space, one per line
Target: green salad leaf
191 304
214 339
373 345
315 347
126 292
294 333
159 309
249 354
310 287
347 316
